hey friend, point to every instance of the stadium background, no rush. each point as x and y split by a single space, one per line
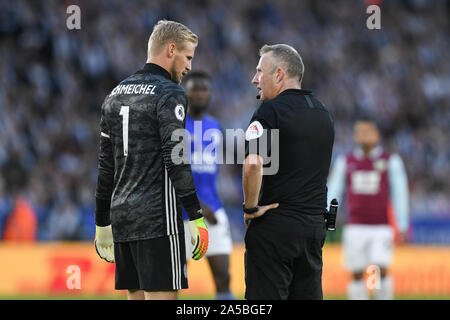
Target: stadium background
53 81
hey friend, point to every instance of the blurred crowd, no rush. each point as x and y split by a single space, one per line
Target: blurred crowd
53 82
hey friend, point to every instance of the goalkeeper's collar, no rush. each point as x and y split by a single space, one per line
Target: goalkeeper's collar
153 68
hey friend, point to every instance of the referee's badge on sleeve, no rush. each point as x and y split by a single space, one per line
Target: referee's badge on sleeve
179 112
254 131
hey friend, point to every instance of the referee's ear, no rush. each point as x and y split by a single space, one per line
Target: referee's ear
280 75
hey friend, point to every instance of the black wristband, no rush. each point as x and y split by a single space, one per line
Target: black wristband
102 212
192 206
249 210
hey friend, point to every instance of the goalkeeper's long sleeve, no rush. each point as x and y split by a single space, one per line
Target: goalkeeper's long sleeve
105 180
171 113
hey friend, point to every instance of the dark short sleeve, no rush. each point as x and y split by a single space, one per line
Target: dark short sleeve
259 131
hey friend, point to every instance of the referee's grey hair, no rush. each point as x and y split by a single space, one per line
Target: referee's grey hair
288 56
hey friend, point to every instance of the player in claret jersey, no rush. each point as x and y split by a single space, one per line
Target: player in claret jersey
373 181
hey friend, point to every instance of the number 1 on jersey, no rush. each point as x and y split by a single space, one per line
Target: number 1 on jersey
124 112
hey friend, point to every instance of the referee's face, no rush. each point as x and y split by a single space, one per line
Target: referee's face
264 78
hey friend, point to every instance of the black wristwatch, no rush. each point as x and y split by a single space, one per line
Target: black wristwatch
249 210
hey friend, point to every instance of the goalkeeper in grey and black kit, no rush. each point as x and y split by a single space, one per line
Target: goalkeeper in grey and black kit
141 186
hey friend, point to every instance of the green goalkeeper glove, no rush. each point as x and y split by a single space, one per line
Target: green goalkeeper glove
104 244
199 237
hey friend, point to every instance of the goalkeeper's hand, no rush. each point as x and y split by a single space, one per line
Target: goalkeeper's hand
104 244
199 237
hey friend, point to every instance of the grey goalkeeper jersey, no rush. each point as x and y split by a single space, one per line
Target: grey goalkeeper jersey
138 177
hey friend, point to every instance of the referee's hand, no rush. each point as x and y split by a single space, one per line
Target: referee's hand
262 210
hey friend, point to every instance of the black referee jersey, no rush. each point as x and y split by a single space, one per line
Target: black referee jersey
306 135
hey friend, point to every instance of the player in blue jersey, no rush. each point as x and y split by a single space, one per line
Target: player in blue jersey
205 141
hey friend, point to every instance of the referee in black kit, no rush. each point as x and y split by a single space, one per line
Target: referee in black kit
283 258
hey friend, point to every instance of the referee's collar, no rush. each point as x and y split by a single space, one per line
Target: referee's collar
155 69
296 91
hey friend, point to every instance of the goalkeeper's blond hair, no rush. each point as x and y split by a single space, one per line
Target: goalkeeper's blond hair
169 31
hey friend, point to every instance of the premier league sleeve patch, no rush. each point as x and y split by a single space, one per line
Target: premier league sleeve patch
179 112
254 131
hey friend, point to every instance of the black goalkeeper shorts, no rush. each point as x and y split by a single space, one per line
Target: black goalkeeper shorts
283 258
157 264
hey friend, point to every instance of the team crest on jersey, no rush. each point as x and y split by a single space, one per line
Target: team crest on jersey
179 112
380 165
254 131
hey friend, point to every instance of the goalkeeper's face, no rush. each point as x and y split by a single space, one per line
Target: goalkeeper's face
182 61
